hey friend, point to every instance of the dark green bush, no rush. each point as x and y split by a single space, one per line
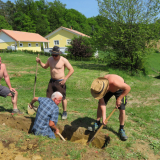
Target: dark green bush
81 47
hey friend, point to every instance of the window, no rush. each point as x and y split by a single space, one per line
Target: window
21 44
68 41
29 44
56 42
37 45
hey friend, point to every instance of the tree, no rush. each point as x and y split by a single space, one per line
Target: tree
77 21
42 25
10 9
128 31
81 47
93 25
29 8
55 14
42 6
2 8
23 22
4 24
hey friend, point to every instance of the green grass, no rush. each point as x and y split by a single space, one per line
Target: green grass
142 110
153 61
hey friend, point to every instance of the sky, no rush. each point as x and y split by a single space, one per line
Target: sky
89 8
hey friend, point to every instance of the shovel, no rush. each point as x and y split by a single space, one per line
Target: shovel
102 126
34 109
61 137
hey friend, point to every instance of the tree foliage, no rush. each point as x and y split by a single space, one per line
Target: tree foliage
4 24
128 31
82 47
44 17
55 14
24 23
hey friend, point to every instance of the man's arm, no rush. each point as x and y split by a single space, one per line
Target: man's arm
103 110
6 77
45 66
33 100
126 89
53 126
71 70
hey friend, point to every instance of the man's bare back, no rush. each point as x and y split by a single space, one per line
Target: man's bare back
115 82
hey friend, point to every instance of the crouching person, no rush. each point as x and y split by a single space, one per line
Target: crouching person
47 115
8 91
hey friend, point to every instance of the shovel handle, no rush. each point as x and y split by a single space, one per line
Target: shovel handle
110 115
102 125
61 137
105 121
35 79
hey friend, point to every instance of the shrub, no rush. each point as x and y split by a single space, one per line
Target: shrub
82 47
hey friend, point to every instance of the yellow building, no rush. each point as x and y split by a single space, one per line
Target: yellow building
62 37
18 40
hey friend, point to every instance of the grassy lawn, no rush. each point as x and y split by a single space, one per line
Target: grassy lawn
142 110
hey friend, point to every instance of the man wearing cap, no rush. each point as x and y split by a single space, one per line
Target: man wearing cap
103 88
47 115
58 79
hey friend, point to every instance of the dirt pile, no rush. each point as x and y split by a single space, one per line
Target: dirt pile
13 153
71 133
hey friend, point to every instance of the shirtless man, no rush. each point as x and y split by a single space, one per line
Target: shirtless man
58 79
103 88
8 91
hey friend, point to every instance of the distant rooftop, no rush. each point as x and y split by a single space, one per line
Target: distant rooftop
24 36
67 29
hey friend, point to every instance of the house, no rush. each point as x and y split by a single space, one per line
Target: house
62 37
21 40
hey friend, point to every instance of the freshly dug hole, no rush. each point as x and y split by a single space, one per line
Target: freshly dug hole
72 133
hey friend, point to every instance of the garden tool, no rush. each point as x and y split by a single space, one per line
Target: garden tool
34 109
101 126
61 137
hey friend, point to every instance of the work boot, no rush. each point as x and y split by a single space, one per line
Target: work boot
16 111
122 134
64 115
94 127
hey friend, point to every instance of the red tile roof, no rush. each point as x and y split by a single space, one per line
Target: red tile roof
24 36
67 29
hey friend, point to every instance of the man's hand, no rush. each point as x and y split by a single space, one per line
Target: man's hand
31 105
38 60
105 123
12 89
56 131
118 103
63 81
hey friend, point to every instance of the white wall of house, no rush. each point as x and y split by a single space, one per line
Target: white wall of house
5 38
